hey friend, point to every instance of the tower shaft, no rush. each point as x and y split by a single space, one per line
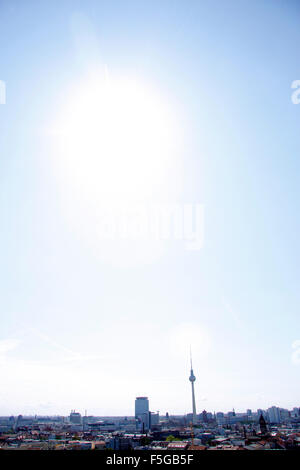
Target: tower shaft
194 404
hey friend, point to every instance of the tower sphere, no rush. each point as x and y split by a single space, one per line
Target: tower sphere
192 377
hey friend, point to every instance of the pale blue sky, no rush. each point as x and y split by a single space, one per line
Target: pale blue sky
81 330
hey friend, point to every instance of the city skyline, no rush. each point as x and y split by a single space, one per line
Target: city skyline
272 413
272 429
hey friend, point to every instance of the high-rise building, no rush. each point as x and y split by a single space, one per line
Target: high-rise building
274 414
142 413
284 415
141 405
192 379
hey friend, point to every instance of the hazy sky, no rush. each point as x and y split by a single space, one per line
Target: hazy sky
196 108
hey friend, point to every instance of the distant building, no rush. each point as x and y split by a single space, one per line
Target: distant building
142 414
203 416
154 419
19 419
177 445
12 421
75 418
262 412
141 405
284 415
274 415
220 418
120 443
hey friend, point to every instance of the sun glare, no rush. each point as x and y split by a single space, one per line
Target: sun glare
115 140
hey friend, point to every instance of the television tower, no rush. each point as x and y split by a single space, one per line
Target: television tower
192 380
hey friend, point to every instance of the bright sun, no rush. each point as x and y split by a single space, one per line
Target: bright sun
115 140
